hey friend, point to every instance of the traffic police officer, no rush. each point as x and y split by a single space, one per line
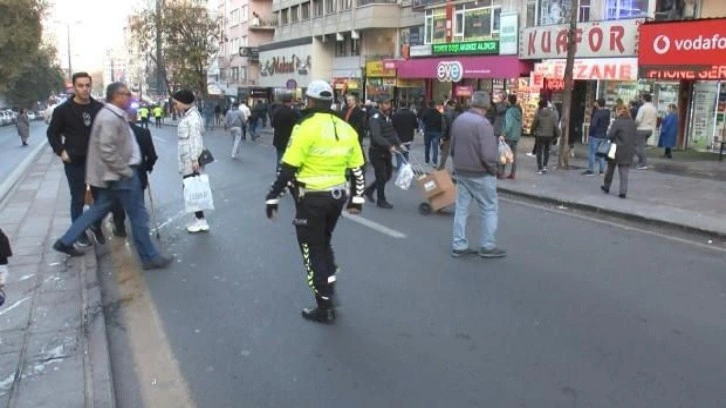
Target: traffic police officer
323 148
384 142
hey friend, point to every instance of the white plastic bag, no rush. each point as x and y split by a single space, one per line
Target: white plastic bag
405 177
612 151
505 153
198 194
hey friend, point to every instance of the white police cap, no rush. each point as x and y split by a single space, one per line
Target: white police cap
319 89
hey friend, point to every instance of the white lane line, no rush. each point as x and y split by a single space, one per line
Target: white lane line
14 305
171 219
374 226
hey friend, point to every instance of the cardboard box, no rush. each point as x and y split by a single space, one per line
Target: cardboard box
438 188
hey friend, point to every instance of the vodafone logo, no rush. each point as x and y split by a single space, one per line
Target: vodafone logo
662 44
449 71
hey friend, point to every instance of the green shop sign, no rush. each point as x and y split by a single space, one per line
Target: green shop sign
490 47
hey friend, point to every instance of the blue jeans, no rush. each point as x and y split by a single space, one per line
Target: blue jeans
76 175
483 190
401 156
591 157
254 126
431 140
131 195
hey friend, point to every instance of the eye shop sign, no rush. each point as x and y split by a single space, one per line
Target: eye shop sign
490 47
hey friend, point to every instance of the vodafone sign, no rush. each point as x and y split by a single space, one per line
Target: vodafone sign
683 50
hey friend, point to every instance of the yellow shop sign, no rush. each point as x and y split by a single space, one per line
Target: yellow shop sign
376 69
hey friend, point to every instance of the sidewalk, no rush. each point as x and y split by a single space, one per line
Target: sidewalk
53 345
684 202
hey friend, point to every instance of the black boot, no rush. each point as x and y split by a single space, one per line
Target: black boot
323 313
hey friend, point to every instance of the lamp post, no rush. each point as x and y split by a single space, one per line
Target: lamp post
68 44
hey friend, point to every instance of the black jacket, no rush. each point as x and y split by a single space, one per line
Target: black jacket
599 123
433 120
72 122
449 117
5 251
148 153
383 134
357 119
405 122
284 121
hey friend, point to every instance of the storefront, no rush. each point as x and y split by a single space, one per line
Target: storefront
694 54
283 70
380 80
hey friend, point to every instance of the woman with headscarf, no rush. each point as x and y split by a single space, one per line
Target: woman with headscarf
23 125
191 145
623 133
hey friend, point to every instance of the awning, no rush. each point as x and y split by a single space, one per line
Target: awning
454 69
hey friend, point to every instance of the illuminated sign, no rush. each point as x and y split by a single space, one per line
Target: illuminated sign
490 47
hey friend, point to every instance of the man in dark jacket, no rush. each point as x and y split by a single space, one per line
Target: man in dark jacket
68 134
599 124
384 142
283 121
451 113
148 159
433 123
355 116
405 122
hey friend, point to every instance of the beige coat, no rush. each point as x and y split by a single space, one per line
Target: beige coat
109 148
191 142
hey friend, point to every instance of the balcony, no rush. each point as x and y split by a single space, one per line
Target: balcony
258 23
367 2
422 4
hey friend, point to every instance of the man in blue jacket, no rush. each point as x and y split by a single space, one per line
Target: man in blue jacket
598 132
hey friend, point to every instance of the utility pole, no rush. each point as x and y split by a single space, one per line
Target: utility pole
564 159
70 67
159 80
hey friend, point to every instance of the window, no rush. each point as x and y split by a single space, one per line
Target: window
223 74
244 13
584 14
318 8
345 4
531 13
294 14
234 74
617 9
283 17
347 48
234 17
330 6
243 41
234 48
354 48
305 11
558 11
243 74
435 26
341 49
472 22
677 9
459 23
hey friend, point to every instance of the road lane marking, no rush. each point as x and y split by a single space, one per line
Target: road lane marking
374 225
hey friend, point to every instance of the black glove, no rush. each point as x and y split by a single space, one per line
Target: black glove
271 207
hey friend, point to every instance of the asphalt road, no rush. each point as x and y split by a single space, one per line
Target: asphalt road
11 151
580 314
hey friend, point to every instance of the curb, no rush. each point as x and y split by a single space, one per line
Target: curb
618 214
12 180
99 386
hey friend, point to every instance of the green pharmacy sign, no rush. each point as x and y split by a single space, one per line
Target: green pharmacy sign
490 47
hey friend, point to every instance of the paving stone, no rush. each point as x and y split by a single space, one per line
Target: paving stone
56 311
10 343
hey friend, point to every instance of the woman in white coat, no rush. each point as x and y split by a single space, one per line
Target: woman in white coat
191 145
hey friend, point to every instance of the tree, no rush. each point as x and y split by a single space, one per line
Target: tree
20 29
38 77
185 36
564 162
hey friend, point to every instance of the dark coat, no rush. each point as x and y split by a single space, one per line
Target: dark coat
669 131
358 119
5 251
383 134
499 110
546 123
623 133
148 153
405 122
284 121
599 123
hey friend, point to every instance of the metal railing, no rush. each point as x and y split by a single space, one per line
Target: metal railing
367 2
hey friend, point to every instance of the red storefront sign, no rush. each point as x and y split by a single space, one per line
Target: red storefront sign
683 50
603 39
463 91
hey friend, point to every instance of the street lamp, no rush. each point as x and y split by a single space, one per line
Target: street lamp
68 39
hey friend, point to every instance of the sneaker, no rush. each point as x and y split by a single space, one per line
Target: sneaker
385 204
622 196
198 225
641 168
492 253
531 155
602 172
203 225
588 173
540 172
158 263
544 169
83 241
456 253
318 315
69 250
98 234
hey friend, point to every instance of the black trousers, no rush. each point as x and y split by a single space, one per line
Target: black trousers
543 151
315 219
383 170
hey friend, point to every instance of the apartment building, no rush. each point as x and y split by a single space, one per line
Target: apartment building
247 24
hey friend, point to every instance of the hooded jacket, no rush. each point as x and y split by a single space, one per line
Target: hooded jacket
500 109
545 123
513 123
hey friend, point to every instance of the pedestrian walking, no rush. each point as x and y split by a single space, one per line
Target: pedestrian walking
599 124
283 121
248 114
647 121
356 117
511 133
433 123
113 163
218 114
499 110
322 151
191 145
144 115
405 123
453 110
22 123
669 131
384 142
158 113
545 132
623 133
234 120
475 157
68 134
148 159
5 253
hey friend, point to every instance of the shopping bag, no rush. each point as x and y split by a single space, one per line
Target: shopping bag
505 153
205 158
603 149
405 177
611 152
197 194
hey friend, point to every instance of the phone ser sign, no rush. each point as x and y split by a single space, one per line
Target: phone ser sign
602 39
683 50
449 71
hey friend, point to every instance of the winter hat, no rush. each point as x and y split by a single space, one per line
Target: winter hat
184 96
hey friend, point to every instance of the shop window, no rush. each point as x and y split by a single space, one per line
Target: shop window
305 11
618 9
677 9
558 11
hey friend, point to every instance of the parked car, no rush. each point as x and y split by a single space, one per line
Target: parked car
31 115
12 115
5 118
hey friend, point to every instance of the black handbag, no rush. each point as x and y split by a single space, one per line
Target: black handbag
205 158
603 149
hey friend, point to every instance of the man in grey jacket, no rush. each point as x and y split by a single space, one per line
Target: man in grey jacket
475 155
234 121
112 166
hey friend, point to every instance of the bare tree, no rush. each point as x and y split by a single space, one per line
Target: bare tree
564 158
